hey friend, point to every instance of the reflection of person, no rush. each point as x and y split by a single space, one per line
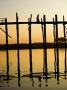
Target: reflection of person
32 83
46 85
39 77
57 82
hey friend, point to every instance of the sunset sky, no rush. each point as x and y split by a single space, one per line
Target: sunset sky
32 62
8 8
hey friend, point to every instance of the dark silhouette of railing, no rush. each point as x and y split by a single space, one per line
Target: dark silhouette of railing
43 24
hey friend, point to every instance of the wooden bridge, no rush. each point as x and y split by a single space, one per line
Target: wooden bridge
43 24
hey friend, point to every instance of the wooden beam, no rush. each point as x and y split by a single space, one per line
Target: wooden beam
30 41
56 20
65 44
18 56
7 53
47 22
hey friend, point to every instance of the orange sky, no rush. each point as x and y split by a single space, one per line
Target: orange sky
8 8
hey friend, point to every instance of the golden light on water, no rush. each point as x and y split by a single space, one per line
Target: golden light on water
37 60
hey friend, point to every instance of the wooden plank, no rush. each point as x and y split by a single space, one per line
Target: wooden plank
47 22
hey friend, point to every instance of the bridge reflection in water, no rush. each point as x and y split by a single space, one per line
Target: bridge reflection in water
36 74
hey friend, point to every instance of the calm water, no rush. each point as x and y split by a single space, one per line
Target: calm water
37 60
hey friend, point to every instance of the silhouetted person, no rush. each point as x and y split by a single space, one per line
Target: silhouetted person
38 18
31 16
29 19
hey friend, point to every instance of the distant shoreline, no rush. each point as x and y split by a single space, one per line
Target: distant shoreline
32 46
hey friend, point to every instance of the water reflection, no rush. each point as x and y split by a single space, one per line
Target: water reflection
35 77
